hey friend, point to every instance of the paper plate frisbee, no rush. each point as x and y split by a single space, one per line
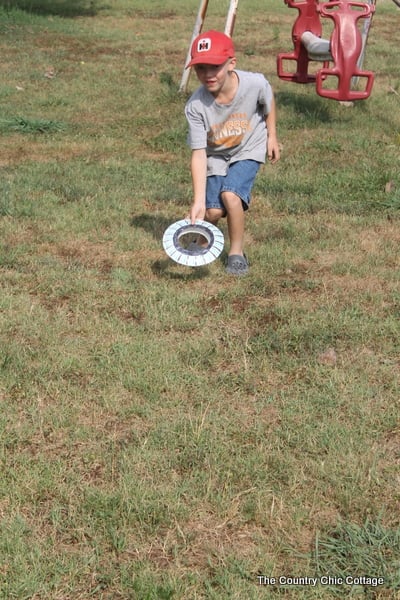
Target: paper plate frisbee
193 255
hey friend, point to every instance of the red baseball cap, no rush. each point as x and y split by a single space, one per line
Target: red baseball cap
211 48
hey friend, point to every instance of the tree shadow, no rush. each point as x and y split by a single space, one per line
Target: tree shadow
60 8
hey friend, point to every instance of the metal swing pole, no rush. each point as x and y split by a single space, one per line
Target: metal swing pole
231 18
229 26
197 29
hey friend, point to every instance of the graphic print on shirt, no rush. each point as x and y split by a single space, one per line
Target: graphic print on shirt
230 132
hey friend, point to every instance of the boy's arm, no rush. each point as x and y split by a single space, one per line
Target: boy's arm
273 150
198 166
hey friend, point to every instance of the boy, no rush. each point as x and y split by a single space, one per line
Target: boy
232 125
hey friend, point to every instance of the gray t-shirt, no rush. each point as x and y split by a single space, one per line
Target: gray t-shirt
230 132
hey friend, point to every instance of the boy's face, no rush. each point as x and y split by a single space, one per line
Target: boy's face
214 77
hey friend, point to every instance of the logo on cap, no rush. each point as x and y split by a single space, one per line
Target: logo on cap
204 45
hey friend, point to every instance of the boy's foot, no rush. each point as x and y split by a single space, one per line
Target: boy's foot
237 265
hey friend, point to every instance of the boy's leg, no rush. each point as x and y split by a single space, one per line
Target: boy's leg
235 196
229 196
235 218
234 211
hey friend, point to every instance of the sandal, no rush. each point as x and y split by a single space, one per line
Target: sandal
237 265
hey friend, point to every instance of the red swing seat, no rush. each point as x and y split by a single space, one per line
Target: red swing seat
345 47
308 20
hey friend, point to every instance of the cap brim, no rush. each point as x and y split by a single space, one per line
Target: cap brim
211 60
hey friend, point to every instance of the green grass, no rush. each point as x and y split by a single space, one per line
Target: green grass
173 433
22 125
64 8
367 549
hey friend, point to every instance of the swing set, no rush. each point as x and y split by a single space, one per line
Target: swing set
342 55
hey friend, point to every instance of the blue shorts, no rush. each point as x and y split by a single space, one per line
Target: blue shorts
239 180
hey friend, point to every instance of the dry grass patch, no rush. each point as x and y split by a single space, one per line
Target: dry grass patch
171 432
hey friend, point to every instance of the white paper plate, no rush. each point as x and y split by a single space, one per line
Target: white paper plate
189 258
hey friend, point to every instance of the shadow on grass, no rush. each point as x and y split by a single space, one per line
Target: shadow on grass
310 110
61 8
313 110
170 270
154 224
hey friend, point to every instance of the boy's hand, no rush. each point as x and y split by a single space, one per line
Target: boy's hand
197 211
273 149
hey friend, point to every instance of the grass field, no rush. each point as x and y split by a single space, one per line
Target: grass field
175 433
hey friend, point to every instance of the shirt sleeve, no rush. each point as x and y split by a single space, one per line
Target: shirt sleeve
197 136
265 95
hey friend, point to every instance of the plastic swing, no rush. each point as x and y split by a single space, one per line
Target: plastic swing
345 48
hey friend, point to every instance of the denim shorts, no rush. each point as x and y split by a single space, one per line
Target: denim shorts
239 180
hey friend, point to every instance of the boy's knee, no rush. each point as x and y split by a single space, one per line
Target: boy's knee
231 200
214 214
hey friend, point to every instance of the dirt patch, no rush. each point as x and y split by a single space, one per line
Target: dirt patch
201 542
87 254
17 149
